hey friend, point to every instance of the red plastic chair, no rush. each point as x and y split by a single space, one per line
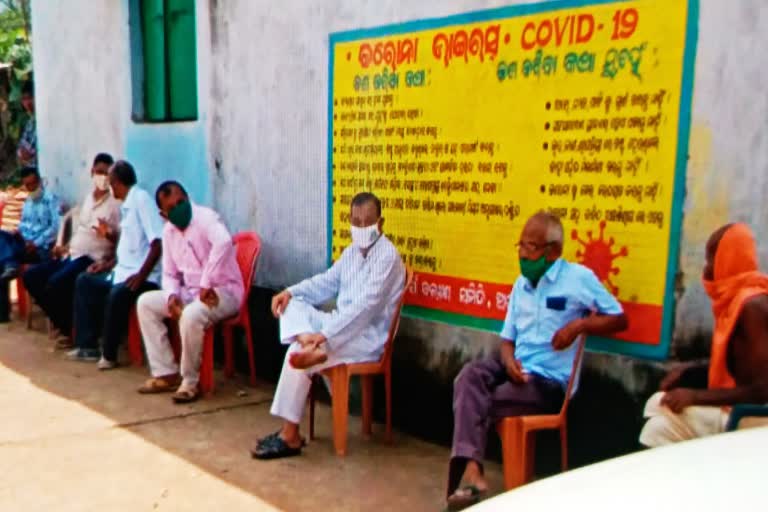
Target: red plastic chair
248 246
517 433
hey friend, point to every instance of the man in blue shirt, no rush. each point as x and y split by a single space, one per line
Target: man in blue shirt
106 292
548 310
35 236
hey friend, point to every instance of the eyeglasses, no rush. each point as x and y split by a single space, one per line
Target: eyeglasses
532 246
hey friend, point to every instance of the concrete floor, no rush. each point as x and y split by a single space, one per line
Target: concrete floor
75 439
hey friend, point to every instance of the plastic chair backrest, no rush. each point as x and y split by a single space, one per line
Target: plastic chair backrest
248 249
573 382
395 325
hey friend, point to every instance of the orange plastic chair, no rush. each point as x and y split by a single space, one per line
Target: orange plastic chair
248 246
339 376
518 433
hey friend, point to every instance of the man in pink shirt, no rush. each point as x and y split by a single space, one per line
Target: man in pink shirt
201 285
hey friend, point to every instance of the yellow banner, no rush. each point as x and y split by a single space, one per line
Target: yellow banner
465 129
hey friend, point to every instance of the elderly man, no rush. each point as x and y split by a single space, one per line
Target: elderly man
32 241
549 308
52 284
367 282
106 292
202 285
737 372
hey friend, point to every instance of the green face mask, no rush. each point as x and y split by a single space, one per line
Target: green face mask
534 270
181 215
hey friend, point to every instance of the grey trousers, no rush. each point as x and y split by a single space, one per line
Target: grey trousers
482 394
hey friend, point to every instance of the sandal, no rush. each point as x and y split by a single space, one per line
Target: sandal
158 385
270 439
465 497
185 396
274 448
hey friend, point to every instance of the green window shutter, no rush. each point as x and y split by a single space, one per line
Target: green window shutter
182 54
153 31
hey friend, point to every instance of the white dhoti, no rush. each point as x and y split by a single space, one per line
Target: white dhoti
152 310
293 387
665 427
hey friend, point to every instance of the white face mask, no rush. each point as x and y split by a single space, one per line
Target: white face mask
100 182
363 238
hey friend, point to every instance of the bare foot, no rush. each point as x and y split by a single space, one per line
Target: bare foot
307 358
473 475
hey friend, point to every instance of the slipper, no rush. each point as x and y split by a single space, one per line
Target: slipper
465 497
275 448
270 439
185 396
158 385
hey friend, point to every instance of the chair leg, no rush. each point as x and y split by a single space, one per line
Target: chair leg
388 399
135 351
28 301
512 441
529 456
366 386
248 333
340 405
229 360
564 447
312 408
206 367
21 297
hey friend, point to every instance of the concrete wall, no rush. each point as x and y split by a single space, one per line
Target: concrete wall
262 134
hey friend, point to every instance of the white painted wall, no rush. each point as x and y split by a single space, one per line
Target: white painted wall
266 123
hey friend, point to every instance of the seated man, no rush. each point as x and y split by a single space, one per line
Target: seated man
367 282
738 367
33 240
52 284
106 292
549 308
202 285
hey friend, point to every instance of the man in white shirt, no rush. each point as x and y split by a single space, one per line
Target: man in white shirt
367 282
52 284
105 294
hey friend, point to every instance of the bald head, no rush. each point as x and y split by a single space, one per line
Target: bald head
542 236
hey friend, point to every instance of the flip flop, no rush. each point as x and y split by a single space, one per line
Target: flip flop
275 448
157 385
465 497
185 396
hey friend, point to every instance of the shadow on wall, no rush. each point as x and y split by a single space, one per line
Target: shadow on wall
604 418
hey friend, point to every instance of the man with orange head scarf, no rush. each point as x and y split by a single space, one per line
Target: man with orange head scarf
737 372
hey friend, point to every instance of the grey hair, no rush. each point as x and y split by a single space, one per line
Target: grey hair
554 227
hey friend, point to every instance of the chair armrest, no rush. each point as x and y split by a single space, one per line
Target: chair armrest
742 411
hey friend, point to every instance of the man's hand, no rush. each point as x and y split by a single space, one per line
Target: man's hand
59 251
30 248
515 371
679 399
102 229
673 378
280 302
135 281
209 297
565 337
100 266
311 341
175 307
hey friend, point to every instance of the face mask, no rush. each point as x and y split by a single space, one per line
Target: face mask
363 238
534 270
181 215
37 193
100 182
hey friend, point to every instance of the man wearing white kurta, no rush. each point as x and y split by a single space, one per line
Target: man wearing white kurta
367 282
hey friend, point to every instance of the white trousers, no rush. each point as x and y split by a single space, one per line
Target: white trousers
293 387
152 310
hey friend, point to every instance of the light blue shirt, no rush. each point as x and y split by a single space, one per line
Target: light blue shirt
140 225
566 292
40 220
367 292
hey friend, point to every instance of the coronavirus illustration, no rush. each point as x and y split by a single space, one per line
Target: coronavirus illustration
597 254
